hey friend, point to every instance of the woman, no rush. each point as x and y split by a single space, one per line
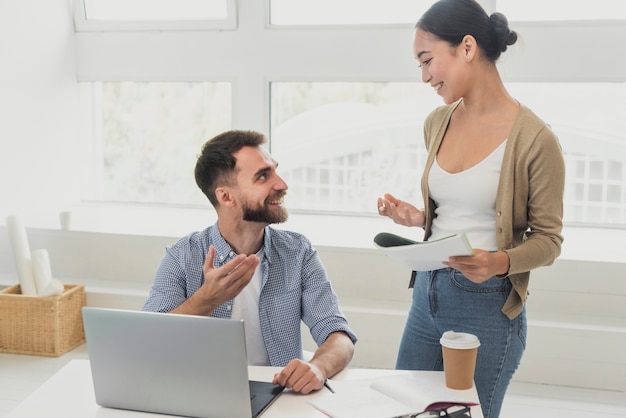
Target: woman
494 171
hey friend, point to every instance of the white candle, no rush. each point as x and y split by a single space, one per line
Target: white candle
21 253
40 261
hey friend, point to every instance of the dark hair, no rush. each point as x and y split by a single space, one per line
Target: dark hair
451 20
216 165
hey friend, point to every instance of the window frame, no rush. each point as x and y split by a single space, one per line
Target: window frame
83 24
361 25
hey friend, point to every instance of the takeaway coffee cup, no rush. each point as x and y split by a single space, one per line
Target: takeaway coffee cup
459 351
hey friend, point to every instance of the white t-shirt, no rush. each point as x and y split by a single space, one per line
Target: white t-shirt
466 201
246 307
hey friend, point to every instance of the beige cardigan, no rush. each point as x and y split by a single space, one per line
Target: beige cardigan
529 203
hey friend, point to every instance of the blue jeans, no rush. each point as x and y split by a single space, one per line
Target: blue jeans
445 300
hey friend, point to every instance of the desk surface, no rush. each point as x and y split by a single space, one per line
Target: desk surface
69 394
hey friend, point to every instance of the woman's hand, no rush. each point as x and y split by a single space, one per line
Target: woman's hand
481 266
400 212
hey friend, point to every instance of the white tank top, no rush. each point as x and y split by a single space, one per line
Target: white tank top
246 307
466 201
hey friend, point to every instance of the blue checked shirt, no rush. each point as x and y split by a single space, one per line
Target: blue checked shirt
295 287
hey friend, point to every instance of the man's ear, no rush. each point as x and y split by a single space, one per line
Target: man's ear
224 196
469 47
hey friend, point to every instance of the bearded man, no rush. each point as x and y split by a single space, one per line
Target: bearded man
241 268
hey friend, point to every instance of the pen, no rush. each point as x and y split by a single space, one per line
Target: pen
328 386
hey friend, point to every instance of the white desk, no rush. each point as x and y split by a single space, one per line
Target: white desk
69 394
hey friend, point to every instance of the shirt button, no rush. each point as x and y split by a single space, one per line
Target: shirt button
499 213
231 254
228 308
221 257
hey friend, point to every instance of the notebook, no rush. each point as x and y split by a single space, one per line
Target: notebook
193 366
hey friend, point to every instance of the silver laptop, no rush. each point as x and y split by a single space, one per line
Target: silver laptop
184 365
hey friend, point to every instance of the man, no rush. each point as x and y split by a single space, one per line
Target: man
241 268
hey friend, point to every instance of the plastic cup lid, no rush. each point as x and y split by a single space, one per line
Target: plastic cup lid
453 339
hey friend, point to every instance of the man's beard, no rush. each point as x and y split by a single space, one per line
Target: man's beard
263 214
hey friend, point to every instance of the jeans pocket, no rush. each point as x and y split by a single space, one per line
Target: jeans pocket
493 285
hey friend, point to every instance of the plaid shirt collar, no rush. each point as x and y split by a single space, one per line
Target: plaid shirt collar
224 252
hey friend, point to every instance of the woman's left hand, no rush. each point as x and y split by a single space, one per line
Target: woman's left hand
481 266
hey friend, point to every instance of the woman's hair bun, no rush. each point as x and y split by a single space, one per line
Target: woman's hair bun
504 36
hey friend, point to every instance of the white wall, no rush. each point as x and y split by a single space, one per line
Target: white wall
38 106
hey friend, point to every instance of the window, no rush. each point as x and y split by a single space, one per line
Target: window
344 106
560 10
136 15
148 135
346 12
376 12
588 119
341 145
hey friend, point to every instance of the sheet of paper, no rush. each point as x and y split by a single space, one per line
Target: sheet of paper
429 255
419 393
357 399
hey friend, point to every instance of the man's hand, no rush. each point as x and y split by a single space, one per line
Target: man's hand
300 376
329 359
220 284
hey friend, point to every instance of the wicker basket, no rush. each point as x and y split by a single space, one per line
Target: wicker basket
46 326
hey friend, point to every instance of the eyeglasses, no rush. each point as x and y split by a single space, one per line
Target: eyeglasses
451 411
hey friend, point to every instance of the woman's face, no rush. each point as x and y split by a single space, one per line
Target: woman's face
444 67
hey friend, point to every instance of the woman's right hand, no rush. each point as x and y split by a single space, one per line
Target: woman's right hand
400 212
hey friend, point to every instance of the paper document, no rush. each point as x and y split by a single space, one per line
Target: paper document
356 398
393 396
425 255
420 394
